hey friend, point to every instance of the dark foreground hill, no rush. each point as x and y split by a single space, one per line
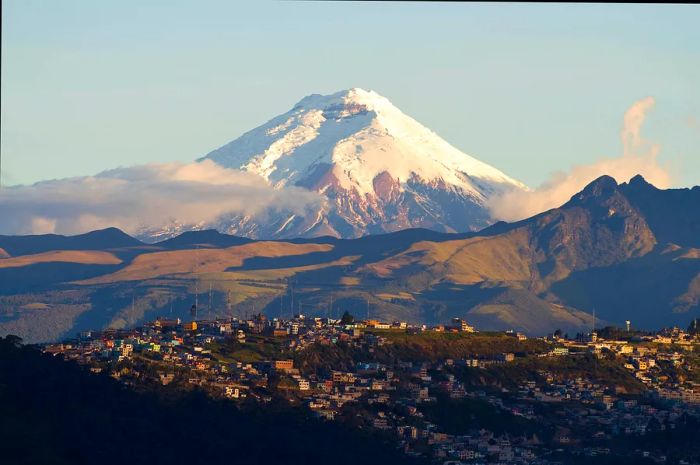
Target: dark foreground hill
626 251
56 412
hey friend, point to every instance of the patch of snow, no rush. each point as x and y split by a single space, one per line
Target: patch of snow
360 134
285 224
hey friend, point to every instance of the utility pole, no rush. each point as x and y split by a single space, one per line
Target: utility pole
593 319
210 309
595 353
196 282
196 297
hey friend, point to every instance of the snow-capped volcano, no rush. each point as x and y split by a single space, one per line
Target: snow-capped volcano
379 170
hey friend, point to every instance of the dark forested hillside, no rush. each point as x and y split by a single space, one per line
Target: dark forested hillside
56 412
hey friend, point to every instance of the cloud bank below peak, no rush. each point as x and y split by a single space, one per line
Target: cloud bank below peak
144 197
152 198
639 156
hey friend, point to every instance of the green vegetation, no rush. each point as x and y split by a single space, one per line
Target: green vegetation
605 372
434 345
319 358
347 318
255 349
426 346
620 334
460 416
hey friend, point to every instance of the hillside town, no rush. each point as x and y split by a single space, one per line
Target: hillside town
547 417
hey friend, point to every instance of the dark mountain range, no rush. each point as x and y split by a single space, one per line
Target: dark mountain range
205 238
626 251
673 214
109 238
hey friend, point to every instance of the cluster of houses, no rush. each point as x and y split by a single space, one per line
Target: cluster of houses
648 358
393 398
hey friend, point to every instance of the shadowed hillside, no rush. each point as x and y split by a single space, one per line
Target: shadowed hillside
626 251
110 238
57 412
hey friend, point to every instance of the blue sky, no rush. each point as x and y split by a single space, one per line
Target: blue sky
530 89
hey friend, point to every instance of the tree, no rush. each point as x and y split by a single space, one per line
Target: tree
347 319
11 341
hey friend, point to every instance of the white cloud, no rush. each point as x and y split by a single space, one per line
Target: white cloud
142 197
638 157
631 134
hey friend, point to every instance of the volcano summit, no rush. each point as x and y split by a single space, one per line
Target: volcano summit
377 170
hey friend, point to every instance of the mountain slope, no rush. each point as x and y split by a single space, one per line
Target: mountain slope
521 309
672 214
379 170
597 227
206 238
609 250
596 252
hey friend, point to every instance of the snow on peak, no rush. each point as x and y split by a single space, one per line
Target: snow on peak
354 96
356 135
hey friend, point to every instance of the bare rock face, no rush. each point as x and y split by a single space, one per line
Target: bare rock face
598 227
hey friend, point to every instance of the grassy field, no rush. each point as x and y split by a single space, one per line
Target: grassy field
255 349
85 257
427 346
609 373
436 345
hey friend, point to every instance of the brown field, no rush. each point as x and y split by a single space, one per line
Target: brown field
399 295
467 261
152 265
84 257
